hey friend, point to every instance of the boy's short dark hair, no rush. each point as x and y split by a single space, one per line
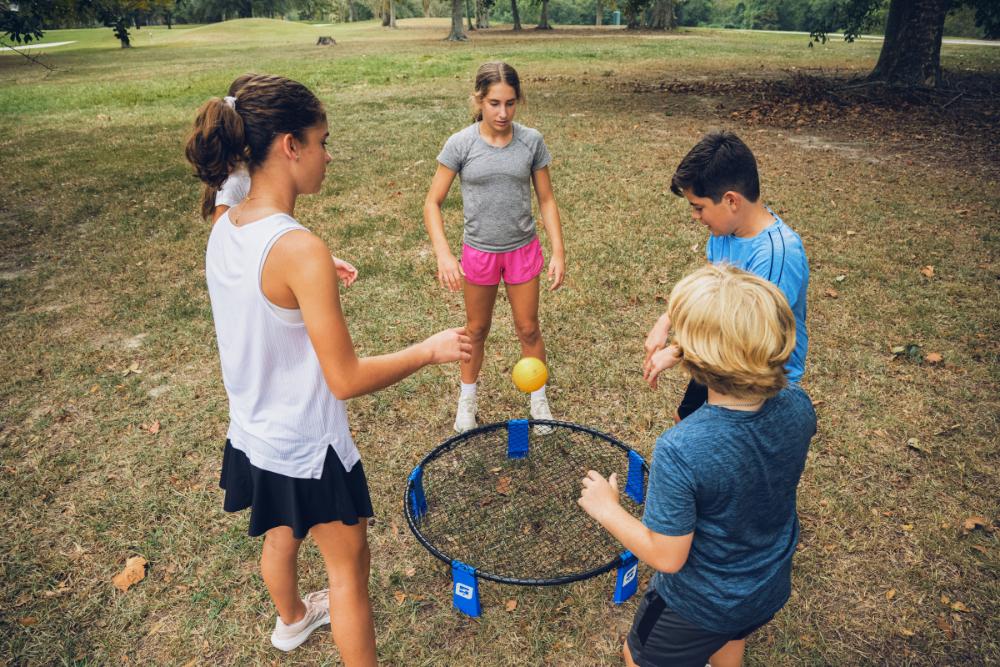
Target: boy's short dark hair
718 163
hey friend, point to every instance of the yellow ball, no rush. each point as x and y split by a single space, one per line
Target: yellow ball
529 374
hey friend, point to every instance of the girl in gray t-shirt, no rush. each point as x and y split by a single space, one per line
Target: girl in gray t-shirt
497 161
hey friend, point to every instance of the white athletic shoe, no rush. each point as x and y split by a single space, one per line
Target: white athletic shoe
287 637
465 416
540 410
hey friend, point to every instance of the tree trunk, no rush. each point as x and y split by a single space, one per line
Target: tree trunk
661 16
911 52
120 29
392 13
245 10
352 12
543 20
427 8
169 20
468 15
517 14
482 15
600 13
456 34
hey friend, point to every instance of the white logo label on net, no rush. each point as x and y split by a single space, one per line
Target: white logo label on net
630 574
465 591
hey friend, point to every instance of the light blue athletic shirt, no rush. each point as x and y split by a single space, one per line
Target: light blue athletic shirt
777 255
730 477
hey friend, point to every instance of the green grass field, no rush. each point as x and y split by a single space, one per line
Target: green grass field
106 329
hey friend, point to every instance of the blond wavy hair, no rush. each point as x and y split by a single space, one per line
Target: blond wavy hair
735 331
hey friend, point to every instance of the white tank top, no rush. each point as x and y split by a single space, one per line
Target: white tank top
282 415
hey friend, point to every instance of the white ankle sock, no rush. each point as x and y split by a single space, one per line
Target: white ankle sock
467 389
538 393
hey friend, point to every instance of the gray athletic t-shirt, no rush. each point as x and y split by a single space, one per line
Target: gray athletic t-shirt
496 185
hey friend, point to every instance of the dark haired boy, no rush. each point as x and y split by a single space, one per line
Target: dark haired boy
719 179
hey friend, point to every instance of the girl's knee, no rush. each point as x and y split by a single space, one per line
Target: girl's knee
477 331
528 333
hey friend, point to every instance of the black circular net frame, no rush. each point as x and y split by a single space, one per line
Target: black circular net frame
517 521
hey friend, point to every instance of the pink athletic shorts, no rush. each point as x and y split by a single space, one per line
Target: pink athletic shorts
515 267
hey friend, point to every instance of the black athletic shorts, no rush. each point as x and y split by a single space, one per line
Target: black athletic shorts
661 638
694 397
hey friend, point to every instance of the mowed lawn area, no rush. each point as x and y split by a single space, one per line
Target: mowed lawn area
113 413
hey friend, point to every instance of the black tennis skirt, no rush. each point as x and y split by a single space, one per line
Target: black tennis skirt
279 500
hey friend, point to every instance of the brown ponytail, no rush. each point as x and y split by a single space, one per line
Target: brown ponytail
487 75
223 136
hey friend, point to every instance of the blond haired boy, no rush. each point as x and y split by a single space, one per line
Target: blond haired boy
720 524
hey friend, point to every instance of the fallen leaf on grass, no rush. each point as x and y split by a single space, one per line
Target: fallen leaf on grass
400 597
152 428
511 605
28 621
132 369
945 626
495 470
410 571
906 632
934 358
974 522
832 293
503 486
957 605
928 271
890 594
981 549
907 527
841 278
191 663
945 599
134 572
914 444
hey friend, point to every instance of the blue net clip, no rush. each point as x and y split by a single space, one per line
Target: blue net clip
418 503
628 577
465 589
635 487
517 438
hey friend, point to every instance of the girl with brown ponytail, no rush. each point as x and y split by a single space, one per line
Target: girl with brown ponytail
288 362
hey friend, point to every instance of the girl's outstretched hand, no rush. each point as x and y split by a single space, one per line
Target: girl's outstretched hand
658 362
449 345
345 271
557 272
598 494
450 273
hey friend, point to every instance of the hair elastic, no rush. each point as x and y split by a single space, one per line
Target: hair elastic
230 102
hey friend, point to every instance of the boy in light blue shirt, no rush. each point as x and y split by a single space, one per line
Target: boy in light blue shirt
719 179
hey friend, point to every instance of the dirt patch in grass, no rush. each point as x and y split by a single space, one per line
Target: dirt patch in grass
957 124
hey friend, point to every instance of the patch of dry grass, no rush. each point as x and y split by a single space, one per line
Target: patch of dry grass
101 271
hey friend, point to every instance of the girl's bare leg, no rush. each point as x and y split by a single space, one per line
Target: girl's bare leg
348 563
479 302
524 306
280 573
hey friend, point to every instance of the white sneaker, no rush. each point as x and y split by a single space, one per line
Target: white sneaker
540 410
465 416
287 637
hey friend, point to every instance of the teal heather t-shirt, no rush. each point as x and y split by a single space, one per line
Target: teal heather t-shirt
496 185
777 255
730 477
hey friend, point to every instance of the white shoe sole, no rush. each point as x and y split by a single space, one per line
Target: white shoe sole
299 639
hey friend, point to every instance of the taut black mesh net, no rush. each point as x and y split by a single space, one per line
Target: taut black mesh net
517 520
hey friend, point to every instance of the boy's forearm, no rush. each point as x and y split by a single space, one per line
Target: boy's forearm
655 550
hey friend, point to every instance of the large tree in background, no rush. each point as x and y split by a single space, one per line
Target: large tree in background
543 18
516 15
911 50
456 34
